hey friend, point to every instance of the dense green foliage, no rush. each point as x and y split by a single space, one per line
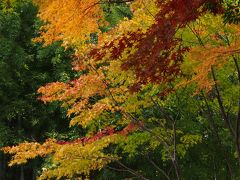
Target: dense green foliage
24 67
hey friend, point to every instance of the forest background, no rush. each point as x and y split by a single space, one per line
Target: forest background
119 89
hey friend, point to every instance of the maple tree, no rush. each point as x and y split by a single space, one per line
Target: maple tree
130 75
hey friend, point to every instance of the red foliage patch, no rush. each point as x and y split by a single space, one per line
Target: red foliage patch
159 53
106 132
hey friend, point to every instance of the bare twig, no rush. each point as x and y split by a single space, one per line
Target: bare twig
158 168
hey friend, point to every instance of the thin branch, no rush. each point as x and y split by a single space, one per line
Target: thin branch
197 35
220 103
132 171
128 169
117 169
158 168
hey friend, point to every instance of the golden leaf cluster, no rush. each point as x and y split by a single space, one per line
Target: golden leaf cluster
71 21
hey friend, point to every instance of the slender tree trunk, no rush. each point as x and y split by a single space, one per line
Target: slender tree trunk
219 145
174 158
238 114
2 169
34 171
220 103
21 173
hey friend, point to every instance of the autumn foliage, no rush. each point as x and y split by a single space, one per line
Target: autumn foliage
124 72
